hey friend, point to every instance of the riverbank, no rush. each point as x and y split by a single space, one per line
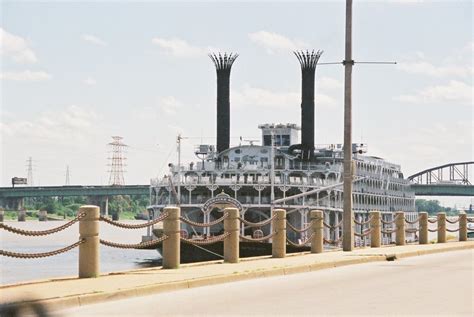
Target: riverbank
70 292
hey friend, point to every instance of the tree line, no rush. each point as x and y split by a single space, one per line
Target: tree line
432 207
127 206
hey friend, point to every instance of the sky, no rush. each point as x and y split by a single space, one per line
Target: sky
73 74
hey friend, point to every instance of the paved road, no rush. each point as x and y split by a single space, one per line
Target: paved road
438 284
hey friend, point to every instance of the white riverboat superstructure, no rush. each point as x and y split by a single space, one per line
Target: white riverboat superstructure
282 172
245 174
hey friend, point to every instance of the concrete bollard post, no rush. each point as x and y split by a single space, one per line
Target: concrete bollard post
423 227
279 239
462 227
89 255
172 245
375 226
231 242
441 227
2 214
317 227
43 215
21 215
400 228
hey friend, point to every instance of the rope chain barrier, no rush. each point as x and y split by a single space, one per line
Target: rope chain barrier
452 230
432 230
411 230
206 241
33 233
412 222
390 231
363 223
293 228
470 219
202 224
40 255
257 239
388 222
452 221
333 227
142 245
257 224
366 233
138 226
432 220
333 242
302 244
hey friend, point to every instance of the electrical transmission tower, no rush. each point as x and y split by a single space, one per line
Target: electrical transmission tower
117 161
68 176
30 181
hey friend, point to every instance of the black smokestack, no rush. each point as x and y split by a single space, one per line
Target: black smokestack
308 61
223 66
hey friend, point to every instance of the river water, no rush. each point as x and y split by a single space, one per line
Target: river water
14 270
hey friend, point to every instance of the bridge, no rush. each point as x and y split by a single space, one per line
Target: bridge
445 180
63 191
12 197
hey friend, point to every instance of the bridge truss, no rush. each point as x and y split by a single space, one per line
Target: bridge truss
453 173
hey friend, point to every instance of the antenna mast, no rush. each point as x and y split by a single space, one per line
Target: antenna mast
178 143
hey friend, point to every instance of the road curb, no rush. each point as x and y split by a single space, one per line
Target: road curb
59 303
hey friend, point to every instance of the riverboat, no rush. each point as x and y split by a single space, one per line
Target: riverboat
283 171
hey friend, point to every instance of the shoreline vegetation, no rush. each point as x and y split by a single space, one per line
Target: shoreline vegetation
60 208
129 207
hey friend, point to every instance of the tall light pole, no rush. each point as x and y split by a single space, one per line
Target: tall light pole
348 215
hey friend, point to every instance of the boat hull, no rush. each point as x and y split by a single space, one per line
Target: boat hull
200 253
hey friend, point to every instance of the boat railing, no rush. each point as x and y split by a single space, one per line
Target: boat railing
249 181
252 168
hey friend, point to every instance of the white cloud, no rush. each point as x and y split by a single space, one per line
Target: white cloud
70 125
455 91
93 39
462 56
180 48
16 47
424 144
457 63
328 83
25 75
90 81
274 42
169 104
427 68
259 97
